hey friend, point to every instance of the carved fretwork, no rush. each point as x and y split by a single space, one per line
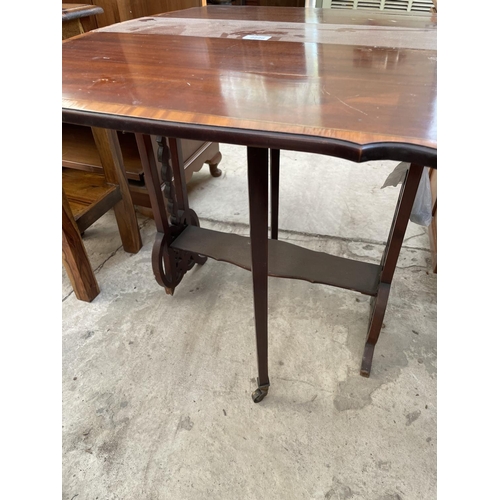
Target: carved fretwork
165 261
167 175
170 264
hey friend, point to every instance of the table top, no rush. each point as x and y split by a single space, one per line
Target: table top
77 10
357 84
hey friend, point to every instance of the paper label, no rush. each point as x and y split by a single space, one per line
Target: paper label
256 37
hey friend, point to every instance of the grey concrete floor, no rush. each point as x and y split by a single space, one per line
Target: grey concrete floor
156 389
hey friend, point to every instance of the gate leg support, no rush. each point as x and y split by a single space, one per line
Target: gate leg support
389 261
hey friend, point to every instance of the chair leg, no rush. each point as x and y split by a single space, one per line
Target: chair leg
110 153
75 258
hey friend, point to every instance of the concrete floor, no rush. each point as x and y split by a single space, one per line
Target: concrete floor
156 389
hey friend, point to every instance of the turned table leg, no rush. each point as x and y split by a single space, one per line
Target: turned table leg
258 185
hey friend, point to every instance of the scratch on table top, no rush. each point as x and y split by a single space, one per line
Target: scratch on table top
349 106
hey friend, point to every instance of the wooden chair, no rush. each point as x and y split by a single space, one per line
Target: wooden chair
87 196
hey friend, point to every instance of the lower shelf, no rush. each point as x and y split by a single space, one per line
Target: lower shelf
285 260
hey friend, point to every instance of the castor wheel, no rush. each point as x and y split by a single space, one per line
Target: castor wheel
260 393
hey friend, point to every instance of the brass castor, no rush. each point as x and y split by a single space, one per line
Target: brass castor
260 393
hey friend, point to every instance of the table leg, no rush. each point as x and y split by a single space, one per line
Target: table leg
258 194
389 261
275 190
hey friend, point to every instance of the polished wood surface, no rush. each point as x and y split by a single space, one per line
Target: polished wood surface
271 3
344 34
116 11
314 16
349 93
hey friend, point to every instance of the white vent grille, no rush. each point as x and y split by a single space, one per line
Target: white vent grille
401 5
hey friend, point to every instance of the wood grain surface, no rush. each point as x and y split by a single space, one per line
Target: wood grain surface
310 15
328 89
116 11
395 37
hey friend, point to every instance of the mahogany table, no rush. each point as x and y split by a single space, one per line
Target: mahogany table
357 85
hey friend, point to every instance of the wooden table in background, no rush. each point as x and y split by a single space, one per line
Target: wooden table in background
350 84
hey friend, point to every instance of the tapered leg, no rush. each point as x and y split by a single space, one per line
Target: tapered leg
389 261
258 185
275 190
377 316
